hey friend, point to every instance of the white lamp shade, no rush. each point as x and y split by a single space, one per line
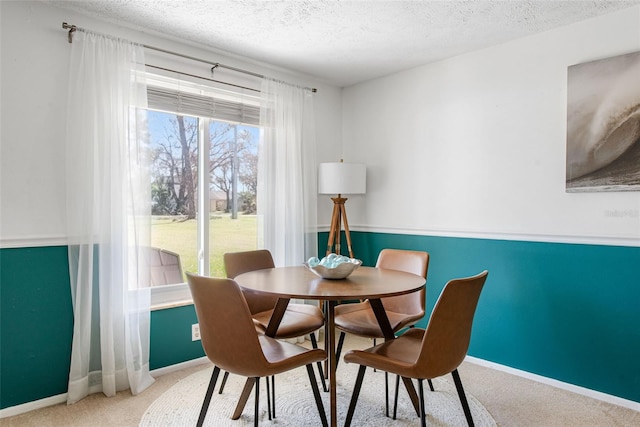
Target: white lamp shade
342 178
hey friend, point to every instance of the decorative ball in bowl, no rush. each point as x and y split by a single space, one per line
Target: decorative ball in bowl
333 266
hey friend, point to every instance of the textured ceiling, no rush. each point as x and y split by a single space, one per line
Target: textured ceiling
345 42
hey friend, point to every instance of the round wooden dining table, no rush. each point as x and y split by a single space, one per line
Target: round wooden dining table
301 283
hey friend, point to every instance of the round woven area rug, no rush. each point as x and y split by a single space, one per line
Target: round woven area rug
295 406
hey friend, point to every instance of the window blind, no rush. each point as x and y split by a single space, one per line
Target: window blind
166 99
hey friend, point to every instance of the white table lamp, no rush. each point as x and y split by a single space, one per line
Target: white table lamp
341 178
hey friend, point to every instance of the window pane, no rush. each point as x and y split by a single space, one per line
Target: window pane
233 160
174 145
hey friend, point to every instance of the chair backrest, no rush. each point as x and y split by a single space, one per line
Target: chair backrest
415 262
446 339
236 263
229 337
165 267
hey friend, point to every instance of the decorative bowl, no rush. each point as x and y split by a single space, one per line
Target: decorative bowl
341 271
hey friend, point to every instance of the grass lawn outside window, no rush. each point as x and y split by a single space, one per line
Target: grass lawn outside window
178 235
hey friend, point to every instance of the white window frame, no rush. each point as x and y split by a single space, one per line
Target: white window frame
207 104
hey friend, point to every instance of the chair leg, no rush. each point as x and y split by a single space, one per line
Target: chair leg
395 400
374 344
395 404
268 399
423 415
314 344
207 396
224 381
244 396
339 347
273 394
386 394
257 402
463 397
354 396
316 395
415 400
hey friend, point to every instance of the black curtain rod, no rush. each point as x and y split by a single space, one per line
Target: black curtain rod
203 78
214 65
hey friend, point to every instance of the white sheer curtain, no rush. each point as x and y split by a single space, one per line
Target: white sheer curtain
108 217
287 195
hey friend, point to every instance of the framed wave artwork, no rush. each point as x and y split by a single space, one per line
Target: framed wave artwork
603 125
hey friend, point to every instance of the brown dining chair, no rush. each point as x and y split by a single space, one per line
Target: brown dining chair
428 353
299 319
403 311
231 342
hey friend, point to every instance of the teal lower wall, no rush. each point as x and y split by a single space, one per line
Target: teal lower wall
36 326
170 341
563 311
570 312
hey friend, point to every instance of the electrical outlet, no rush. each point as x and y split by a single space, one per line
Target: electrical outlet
195 332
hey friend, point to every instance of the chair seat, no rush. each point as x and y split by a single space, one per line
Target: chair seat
280 356
298 320
283 356
359 319
398 356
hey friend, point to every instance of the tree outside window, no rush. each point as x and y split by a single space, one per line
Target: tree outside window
230 192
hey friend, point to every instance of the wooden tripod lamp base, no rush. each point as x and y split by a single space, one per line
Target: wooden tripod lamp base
339 216
341 178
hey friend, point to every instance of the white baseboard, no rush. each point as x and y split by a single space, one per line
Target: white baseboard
607 398
178 366
62 398
32 406
614 400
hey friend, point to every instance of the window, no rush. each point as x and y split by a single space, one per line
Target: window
199 135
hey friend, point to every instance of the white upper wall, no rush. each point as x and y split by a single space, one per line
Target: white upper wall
34 66
471 145
475 145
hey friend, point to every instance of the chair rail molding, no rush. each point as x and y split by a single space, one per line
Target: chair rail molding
497 235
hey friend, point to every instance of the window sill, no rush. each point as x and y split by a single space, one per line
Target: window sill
170 296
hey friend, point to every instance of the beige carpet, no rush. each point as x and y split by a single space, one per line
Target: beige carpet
511 400
295 406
